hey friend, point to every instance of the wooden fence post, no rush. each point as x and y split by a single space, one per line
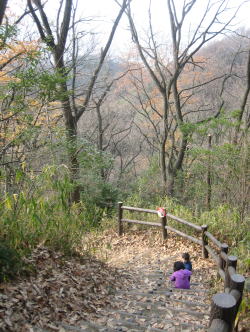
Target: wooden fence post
204 241
237 283
120 225
231 261
222 263
223 309
163 224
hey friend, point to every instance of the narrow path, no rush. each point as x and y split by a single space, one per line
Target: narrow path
148 302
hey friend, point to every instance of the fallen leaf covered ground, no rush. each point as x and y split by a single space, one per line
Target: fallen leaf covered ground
72 290
62 290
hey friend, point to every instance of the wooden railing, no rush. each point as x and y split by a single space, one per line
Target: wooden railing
224 306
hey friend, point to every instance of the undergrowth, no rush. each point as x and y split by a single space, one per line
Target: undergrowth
38 216
45 218
223 222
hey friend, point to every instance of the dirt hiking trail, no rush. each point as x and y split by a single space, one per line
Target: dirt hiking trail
124 287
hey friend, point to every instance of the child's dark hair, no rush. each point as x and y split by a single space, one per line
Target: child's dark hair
186 256
178 266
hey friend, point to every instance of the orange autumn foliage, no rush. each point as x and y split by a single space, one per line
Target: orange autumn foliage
12 56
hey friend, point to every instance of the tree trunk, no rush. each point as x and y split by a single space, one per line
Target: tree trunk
74 172
71 133
170 184
209 180
100 138
3 4
243 103
163 168
58 49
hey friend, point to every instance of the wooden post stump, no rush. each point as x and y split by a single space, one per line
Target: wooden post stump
163 224
120 225
222 263
231 262
204 241
237 283
223 308
218 325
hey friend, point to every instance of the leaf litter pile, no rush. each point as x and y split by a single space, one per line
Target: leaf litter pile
73 290
61 291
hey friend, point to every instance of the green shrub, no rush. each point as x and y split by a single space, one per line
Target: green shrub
43 217
224 222
10 262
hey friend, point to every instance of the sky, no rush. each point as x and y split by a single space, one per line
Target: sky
105 11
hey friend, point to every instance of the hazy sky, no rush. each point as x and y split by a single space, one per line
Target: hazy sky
106 10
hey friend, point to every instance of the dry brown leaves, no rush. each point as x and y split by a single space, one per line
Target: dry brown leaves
62 291
148 245
72 290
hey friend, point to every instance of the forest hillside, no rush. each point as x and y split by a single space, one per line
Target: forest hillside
162 123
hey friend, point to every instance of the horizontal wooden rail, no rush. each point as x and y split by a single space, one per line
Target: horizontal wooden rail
212 253
222 274
231 270
147 223
130 208
189 237
224 256
231 264
213 239
236 294
184 222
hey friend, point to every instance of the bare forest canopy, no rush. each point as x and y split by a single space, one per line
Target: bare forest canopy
82 128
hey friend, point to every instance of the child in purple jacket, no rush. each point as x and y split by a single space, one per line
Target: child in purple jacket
181 276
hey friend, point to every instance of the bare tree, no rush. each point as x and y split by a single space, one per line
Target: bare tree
57 43
244 101
112 128
176 108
